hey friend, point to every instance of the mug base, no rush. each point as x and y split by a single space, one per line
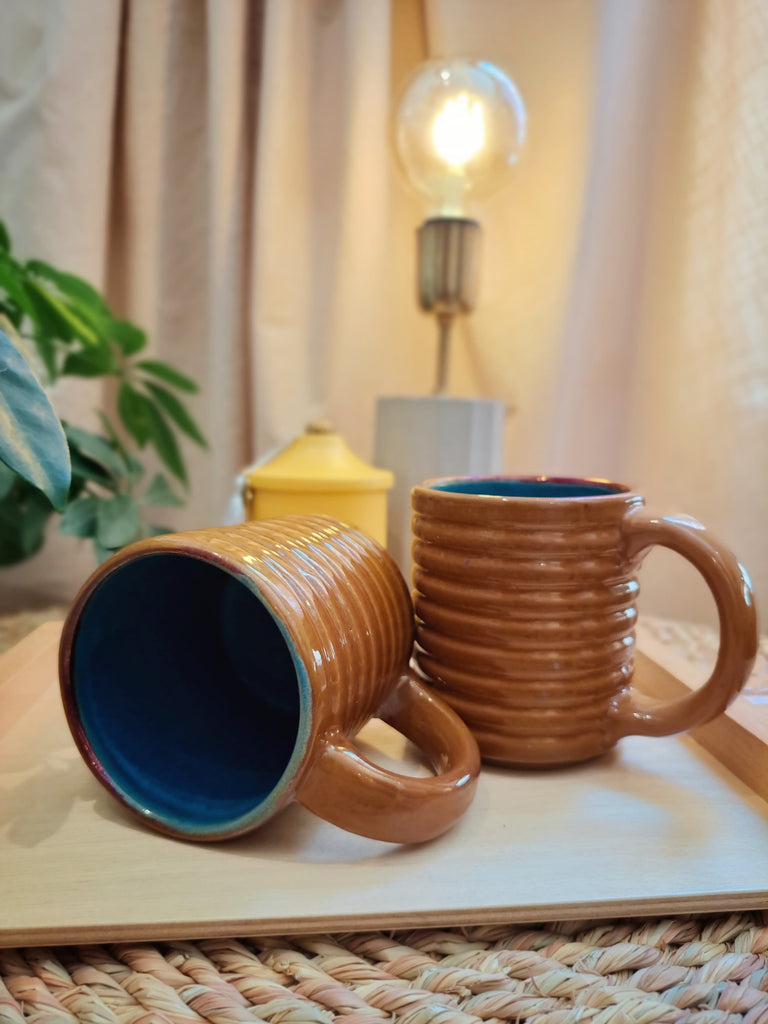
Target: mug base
540 754
542 765
532 739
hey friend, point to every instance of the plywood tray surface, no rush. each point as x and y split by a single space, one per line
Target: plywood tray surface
659 826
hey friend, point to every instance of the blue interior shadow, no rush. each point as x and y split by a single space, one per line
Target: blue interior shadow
510 488
187 690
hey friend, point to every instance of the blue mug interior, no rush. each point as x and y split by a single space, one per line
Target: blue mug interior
510 487
189 693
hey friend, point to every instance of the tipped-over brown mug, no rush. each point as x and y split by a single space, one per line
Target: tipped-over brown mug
211 677
525 601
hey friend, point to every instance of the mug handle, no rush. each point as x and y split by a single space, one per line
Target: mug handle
350 791
732 590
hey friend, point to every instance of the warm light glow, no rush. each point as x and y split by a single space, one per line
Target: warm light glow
459 128
458 131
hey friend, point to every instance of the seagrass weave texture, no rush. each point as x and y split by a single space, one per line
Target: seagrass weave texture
662 971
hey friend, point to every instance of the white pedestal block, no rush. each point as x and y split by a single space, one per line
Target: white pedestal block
422 437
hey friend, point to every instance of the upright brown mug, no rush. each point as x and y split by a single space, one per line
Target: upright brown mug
211 677
525 602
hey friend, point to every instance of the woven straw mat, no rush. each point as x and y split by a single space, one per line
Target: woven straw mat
668 971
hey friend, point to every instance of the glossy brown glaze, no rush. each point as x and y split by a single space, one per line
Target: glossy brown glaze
345 606
525 619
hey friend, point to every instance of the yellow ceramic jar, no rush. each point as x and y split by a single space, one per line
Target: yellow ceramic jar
319 473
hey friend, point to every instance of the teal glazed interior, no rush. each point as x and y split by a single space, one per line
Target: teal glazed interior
189 693
529 487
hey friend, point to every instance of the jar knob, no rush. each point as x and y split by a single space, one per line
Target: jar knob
319 427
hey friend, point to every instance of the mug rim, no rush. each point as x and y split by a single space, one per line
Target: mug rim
610 490
287 784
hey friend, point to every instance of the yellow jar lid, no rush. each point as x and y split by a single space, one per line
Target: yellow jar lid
319 460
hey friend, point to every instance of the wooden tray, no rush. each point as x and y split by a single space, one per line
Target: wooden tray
656 827
673 659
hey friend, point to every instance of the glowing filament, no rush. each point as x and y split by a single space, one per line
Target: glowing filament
458 131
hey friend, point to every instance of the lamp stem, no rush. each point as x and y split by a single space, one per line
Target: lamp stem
449 250
444 325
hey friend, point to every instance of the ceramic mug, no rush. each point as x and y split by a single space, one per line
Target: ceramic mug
210 677
525 602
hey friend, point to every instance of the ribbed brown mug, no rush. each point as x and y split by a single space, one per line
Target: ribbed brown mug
211 677
525 595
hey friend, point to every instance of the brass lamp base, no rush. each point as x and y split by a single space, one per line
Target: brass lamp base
449 259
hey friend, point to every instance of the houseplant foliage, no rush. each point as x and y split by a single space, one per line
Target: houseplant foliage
32 442
64 327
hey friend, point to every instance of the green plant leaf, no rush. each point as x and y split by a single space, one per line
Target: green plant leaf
162 438
79 519
88 305
72 331
130 338
159 493
168 374
46 349
75 295
46 323
32 442
90 362
117 521
86 470
7 479
9 309
12 283
61 320
24 514
134 467
132 407
111 433
70 285
177 412
96 448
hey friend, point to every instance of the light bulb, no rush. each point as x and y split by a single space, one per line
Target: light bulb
458 131
459 128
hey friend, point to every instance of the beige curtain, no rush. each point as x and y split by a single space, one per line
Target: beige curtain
127 146
625 312
333 318
223 169
58 80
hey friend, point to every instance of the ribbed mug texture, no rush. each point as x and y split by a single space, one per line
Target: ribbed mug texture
345 609
525 616
341 598
525 602
343 601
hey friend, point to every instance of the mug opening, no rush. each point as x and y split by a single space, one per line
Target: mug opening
528 487
190 694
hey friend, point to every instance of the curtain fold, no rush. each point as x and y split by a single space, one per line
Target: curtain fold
632 335
56 134
333 282
180 238
698 423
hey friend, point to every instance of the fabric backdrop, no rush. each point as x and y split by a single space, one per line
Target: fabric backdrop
222 169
